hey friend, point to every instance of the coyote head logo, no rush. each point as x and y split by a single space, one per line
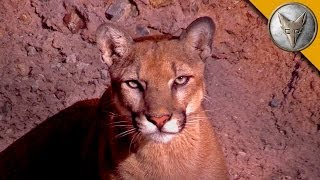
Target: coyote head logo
292 28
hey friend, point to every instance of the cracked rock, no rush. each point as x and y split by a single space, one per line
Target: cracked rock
104 74
160 3
74 21
61 95
82 65
9 131
23 69
31 51
142 30
274 103
205 1
25 18
7 107
242 153
119 9
71 58
35 86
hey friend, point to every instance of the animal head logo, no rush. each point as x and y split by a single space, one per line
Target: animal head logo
292 29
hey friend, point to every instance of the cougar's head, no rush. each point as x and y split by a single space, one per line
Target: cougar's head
157 82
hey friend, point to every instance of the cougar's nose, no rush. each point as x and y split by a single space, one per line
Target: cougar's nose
158 121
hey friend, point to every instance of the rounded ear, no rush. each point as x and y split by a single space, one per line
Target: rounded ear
113 43
198 36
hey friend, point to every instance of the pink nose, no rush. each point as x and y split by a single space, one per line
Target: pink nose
158 121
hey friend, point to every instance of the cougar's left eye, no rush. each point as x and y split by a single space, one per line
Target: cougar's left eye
181 80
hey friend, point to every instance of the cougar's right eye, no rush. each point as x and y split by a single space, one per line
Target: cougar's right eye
134 84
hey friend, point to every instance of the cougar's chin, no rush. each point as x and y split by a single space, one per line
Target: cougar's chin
160 137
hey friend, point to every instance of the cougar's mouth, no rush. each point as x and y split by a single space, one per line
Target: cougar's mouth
159 132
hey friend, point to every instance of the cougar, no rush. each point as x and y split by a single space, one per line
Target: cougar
153 125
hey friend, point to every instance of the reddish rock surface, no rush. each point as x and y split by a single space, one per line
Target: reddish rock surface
263 102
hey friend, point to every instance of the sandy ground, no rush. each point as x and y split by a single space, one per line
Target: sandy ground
263 102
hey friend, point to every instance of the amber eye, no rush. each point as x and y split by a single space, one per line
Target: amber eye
181 80
133 84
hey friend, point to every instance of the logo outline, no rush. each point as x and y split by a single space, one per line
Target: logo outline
315 27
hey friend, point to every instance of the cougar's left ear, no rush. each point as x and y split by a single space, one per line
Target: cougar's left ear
198 36
113 43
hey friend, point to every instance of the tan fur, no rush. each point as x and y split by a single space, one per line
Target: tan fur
186 146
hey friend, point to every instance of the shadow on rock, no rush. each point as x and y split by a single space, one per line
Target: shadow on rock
62 147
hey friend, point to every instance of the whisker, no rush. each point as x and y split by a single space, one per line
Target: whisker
207 98
197 118
115 114
122 125
193 120
129 126
139 136
214 110
125 133
196 114
117 122
132 141
120 122
191 123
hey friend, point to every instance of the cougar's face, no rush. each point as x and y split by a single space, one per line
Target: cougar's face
159 86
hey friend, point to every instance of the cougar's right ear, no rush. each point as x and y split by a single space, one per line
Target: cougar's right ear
113 43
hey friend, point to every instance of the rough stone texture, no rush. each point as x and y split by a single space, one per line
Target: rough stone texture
160 3
263 102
